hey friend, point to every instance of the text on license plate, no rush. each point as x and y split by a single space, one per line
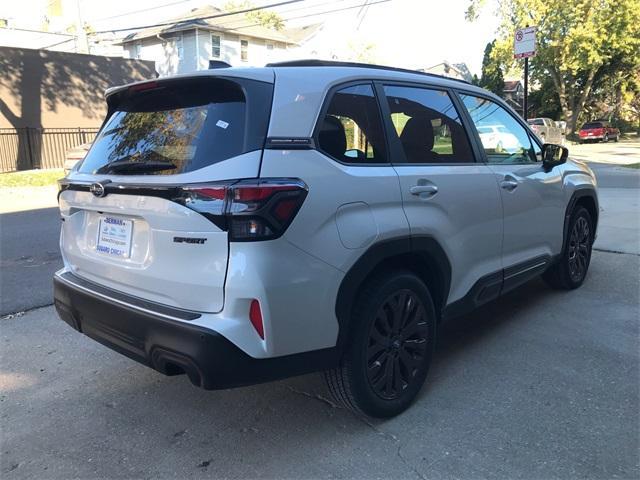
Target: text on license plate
114 236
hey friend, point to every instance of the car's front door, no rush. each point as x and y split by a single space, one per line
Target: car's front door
446 194
532 198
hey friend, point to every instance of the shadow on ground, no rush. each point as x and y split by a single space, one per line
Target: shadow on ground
540 384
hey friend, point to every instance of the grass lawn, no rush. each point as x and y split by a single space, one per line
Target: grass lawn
31 178
633 165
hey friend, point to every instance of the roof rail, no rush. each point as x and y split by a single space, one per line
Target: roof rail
331 63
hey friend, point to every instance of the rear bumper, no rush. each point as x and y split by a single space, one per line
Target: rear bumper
154 337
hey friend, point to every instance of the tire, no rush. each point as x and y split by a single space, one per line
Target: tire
572 267
617 138
606 138
391 343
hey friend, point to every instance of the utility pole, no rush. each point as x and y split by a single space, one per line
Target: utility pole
82 42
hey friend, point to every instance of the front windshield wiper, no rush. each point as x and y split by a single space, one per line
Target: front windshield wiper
125 165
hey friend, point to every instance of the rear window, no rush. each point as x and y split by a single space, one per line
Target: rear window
589 125
180 127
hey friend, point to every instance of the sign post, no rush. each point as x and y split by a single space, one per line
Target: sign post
524 46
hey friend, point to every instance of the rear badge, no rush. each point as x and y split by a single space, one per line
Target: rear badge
198 241
98 188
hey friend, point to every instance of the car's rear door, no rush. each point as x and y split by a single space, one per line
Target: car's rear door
446 194
143 213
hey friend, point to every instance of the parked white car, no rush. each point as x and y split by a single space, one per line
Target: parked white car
241 225
498 138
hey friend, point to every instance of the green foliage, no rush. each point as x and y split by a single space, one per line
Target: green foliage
580 42
266 18
31 178
492 78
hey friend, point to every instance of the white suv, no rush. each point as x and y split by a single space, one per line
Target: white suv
244 225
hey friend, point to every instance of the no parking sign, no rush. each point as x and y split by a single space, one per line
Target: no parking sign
524 45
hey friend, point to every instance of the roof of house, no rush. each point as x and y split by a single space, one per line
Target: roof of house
459 70
235 24
301 34
511 85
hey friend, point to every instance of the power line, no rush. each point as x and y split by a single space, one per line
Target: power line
225 14
139 11
321 13
38 31
308 7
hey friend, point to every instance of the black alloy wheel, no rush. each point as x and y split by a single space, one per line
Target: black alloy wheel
397 344
579 249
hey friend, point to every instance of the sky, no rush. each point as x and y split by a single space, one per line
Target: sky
403 33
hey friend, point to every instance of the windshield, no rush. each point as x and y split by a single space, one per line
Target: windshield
151 135
535 121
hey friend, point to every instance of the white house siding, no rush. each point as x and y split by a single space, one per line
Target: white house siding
196 56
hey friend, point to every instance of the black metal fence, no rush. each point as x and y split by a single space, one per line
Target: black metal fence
28 148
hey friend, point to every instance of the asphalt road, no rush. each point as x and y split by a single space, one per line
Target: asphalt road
29 255
541 384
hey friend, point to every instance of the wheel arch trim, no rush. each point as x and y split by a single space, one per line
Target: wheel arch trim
576 196
426 248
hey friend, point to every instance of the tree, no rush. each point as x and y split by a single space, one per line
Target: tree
492 78
579 41
266 18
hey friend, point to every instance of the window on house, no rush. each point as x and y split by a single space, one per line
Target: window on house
215 46
180 47
269 46
244 50
137 50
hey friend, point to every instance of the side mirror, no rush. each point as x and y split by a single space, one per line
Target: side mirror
553 155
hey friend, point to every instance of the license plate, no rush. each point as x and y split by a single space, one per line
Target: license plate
114 237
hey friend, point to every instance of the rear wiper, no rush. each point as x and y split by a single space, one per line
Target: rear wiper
126 165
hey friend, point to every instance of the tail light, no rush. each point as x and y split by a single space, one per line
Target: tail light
250 210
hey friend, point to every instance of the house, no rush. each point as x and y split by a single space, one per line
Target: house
452 70
513 94
189 42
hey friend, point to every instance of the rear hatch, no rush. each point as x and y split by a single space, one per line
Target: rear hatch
141 214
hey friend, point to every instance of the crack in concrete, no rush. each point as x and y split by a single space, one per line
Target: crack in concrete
316 396
404 460
366 421
618 252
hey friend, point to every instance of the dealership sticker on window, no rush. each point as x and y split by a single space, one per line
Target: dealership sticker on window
222 124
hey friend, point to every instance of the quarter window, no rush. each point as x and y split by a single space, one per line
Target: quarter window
351 130
503 138
215 46
244 50
428 125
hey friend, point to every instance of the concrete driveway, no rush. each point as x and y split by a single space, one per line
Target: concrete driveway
542 384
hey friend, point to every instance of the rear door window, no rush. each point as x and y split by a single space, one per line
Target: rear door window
180 127
428 125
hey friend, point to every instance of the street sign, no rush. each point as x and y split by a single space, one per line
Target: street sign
524 44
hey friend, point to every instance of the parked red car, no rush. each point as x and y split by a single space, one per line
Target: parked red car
598 131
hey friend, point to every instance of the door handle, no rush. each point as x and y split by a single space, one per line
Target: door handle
509 183
420 189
